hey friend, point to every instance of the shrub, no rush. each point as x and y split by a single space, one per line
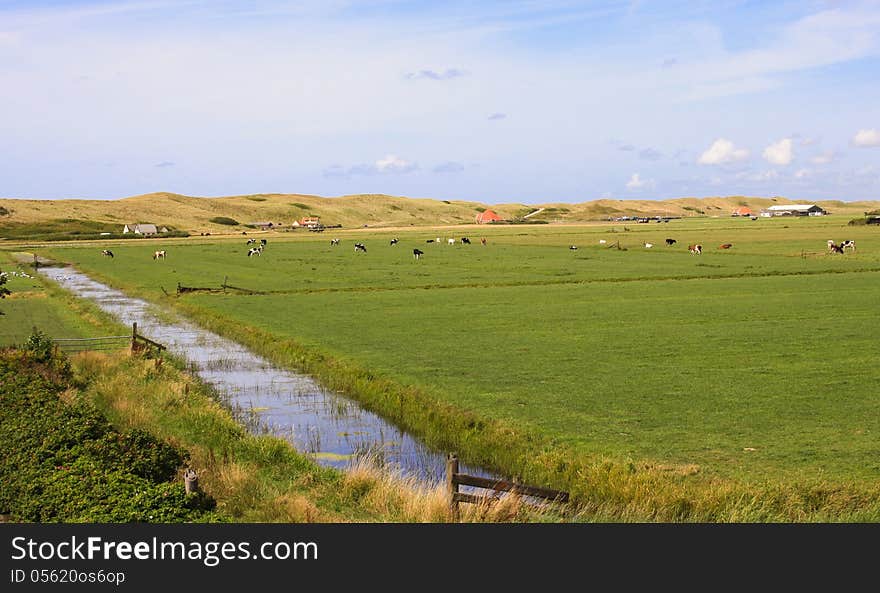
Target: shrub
64 462
40 346
224 220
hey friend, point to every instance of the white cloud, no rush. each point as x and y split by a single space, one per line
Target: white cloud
764 176
393 164
802 173
723 151
823 159
779 153
866 138
636 182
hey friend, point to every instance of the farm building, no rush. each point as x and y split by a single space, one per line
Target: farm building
487 216
310 221
263 224
743 211
141 229
794 210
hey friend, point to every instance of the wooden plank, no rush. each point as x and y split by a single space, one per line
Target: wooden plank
504 485
462 497
150 342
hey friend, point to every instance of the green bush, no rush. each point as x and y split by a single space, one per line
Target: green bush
224 220
64 462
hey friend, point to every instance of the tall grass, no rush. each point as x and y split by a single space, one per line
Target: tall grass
259 478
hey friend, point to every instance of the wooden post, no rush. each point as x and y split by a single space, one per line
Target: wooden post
451 485
134 333
191 481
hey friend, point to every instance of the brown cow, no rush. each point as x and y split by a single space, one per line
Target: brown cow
725 246
695 249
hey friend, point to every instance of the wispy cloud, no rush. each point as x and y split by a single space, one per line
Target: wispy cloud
448 167
650 154
497 116
447 74
164 164
824 158
388 165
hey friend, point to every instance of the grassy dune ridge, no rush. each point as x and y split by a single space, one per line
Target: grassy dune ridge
654 384
194 214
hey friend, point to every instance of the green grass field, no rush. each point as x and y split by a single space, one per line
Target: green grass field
34 304
755 363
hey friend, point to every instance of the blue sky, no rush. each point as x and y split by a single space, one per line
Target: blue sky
510 101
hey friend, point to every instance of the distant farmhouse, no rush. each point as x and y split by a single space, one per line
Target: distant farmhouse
794 210
263 224
146 230
310 221
743 211
487 216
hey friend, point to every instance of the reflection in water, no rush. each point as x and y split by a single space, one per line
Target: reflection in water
265 398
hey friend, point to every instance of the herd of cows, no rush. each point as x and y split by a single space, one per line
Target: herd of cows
695 248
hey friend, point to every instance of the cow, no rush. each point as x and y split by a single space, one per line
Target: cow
107 253
465 240
602 241
255 251
670 242
648 245
394 241
159 254
572 247
835 248
848 244
263 242
450 241
429 241
482 240
417 253
725 246
695 249
334 242
360 247
251 241
438 241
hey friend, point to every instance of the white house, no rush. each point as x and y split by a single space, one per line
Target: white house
793 210
140 229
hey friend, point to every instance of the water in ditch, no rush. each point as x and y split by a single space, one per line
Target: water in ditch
333 429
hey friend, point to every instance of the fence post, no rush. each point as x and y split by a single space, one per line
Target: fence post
134 333
451 485
191 481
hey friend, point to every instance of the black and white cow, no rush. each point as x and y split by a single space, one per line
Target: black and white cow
107 253
263 242
159 254
334 242
395 241
255 251
670 242
417 253
465 240
360 247
848 244
572 247
251 241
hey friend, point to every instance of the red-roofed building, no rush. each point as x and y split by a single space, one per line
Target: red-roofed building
487 216
743 211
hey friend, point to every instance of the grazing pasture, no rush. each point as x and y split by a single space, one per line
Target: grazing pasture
755 363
